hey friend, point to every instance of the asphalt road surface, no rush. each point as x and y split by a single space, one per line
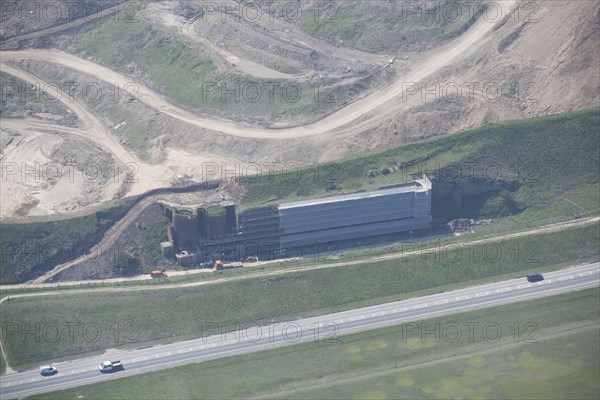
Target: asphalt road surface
215 344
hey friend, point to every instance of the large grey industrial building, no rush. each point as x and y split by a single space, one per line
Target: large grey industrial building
388 210
270 231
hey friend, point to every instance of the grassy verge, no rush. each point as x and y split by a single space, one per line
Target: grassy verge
449 245
2 364
378 26
553 368
552 354
169 315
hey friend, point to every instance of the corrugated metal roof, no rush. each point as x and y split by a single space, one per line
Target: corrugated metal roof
353 196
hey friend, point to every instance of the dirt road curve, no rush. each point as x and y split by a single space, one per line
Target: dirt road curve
442 58
161 12
149 177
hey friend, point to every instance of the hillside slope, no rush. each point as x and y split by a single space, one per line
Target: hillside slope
516 173
503 75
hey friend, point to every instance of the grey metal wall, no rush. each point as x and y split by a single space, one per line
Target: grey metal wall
259 224
367 214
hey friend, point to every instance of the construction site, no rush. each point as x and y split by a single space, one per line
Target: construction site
203 233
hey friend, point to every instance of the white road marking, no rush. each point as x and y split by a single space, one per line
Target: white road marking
564 278
377 314
586 273
420 306
459 298
400 309
522 295
482 294
524 286
441 302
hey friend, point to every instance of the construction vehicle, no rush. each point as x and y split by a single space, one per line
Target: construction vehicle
111 366
157 273
219 265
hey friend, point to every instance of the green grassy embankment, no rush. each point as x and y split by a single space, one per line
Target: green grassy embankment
377 26
2 364
547 176
19 99
179 313
184 72
544 174
30 249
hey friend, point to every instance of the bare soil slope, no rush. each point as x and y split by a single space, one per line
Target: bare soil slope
496 70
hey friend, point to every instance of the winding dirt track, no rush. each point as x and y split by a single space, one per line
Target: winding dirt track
151 176
444 57
107 242
94 130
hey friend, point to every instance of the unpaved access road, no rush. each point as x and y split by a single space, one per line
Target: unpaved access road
147 177
543 229
461 46
161 13
109 240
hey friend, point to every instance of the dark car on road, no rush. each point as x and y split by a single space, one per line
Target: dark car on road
48 370
535 277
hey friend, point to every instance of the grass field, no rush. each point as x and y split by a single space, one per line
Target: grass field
2 364
184 72
377 26
170 315
550 354
554 368
18 97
